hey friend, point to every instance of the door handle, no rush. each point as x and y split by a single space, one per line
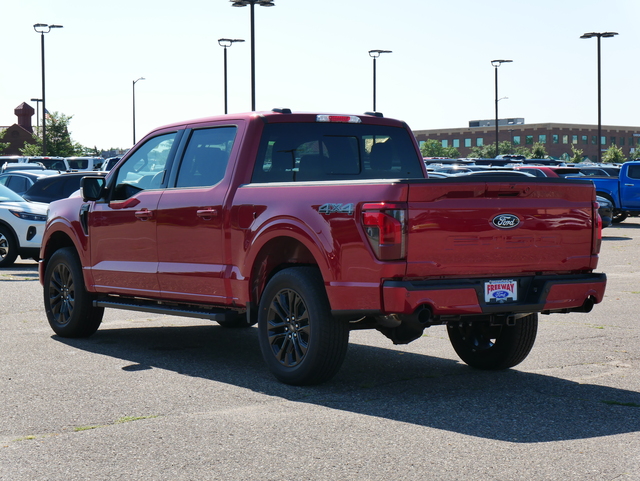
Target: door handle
629 185
207 213
144 214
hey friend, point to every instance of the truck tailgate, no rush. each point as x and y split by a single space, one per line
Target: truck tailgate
476 227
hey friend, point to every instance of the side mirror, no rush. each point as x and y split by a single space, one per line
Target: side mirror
92 187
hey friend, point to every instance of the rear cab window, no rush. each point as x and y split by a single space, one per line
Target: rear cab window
320 151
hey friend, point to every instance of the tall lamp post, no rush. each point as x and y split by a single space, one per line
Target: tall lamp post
598 36
252 3
375 54
43 28
37 101
226 43
496 64
134 109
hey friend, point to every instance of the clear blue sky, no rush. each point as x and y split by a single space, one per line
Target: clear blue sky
312 56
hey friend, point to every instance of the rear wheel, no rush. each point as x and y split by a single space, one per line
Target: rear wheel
484 346
301 342
8 247
68 305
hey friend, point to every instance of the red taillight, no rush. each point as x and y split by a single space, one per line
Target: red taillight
385 226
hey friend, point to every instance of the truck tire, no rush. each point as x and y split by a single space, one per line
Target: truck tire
68 305
8 247
301 342
619 216
483 346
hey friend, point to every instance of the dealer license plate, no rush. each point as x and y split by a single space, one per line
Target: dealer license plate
505 290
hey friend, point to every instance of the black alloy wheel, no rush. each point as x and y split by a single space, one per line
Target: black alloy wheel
301 342
68 305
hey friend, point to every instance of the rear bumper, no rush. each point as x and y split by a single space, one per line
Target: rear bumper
466 296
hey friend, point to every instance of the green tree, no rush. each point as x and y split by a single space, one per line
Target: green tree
538 151
577 155
522 150
614 155
3 145
59 141
489 151
434 148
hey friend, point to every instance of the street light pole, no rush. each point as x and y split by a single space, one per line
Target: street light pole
225 43
43 28
37 101
598 35
251 3
375 54
134 109
496 64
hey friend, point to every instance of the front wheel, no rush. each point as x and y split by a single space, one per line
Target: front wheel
8 247
68 305
301 342
485 346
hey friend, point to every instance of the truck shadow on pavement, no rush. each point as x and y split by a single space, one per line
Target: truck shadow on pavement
511 405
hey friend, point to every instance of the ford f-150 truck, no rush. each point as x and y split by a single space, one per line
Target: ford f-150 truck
311 226
623 191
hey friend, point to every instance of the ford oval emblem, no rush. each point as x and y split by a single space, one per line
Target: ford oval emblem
506 221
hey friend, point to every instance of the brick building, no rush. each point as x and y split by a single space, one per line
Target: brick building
556 138
18 134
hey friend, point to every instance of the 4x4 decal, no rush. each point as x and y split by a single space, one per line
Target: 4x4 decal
329 208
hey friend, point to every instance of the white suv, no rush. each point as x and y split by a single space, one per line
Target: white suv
21 227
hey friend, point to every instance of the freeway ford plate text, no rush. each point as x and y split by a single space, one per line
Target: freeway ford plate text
501 291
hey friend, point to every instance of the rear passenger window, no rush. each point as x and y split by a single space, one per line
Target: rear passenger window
206 157
634 172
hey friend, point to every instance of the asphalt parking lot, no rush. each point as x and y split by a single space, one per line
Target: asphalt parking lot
156 397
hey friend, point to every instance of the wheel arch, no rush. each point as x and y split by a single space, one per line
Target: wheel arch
54 242
607 196
11 230
277 254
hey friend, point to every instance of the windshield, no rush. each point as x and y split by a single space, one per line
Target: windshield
7 195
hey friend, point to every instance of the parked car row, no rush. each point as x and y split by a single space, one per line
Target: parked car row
514 162
24 199
62 164
27 186
44 185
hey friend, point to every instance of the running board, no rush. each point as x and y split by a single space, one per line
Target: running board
218 315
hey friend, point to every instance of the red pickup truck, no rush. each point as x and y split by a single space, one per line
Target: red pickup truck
314 225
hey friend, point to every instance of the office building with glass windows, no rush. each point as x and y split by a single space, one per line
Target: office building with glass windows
556 138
